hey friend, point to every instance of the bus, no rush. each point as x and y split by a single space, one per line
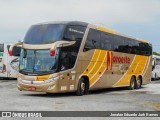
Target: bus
9 64
155 67
77 57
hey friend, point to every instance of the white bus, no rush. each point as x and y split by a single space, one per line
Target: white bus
8 64
155 67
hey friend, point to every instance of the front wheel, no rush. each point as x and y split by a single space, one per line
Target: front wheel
81 87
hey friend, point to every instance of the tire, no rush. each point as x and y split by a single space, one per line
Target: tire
138 83
155 76
81 87
132 84
47 93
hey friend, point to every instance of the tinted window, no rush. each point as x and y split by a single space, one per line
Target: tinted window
68 56
106 41
74 33
44 34
93 40
1 47
118 43
145 48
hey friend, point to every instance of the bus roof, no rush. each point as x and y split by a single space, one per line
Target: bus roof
99 27
67 23
104 29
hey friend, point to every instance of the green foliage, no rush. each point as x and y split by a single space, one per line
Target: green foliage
155 53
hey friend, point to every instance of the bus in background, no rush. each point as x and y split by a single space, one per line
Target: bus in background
77 57
9 64
155 67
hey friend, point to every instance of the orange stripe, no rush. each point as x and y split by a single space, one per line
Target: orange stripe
103 68
99 71
89 67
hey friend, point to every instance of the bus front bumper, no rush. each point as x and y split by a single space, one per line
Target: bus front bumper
50 85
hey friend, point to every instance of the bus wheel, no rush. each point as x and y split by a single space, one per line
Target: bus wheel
139 83
155 76
132 83
81 87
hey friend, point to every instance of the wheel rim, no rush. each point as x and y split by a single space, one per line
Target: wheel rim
132 84
82 87
139 83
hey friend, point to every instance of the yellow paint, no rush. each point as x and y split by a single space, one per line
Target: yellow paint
99 67
106 30
96 77
100 71
97 63
135 69
41 78
142 60
142 40
91 64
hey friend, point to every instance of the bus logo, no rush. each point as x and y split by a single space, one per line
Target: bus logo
109 60
116 59
121 60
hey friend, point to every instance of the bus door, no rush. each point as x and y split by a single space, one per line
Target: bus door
1 62
66 63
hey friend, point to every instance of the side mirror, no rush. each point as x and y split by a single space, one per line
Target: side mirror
12 46
60 44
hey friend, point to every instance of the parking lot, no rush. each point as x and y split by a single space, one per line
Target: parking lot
118 99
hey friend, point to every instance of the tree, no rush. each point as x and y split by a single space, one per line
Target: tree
155 53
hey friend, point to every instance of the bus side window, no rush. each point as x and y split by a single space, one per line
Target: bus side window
93 40
75 33
68 57
106 42
65 61
1 47
118 42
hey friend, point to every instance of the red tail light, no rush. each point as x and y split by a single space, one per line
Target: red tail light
10 53
52 52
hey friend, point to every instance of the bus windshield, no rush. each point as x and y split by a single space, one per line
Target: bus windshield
37 62
44 34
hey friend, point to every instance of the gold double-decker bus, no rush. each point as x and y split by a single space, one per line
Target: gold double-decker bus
77 57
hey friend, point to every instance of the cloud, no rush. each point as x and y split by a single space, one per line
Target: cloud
19 15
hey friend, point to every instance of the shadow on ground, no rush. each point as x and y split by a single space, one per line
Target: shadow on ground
93 92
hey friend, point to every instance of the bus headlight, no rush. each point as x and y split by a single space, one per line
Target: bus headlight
38 82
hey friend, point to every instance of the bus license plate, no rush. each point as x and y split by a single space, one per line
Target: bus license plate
31 88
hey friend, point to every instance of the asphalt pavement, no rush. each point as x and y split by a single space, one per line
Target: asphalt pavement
116 99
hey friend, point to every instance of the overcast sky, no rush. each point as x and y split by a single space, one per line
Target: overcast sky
138 18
